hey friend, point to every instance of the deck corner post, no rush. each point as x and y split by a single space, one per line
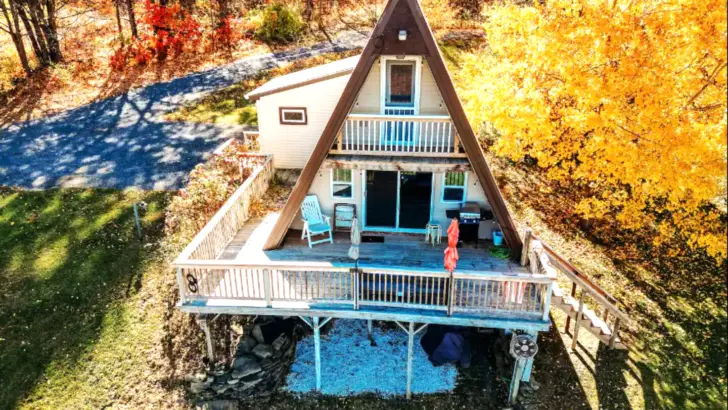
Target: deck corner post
516 380
526 246
205 325
547 301
181 284
317 348
369 328
266 287
410 355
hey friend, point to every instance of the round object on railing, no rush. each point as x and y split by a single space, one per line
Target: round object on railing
192 283
523 346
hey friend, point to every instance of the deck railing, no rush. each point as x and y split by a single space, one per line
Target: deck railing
419 135
217 233
270 284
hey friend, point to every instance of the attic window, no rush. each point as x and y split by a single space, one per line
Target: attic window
400 83
293 115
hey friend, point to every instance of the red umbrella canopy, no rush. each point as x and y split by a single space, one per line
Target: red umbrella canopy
451 253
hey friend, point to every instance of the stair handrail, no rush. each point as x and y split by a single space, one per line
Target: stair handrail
600 295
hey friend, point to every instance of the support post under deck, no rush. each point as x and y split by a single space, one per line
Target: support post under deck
316 325
369 328
411 332
410 342
204 324
317 345
516 380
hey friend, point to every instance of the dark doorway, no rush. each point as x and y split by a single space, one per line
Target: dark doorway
381 208
414 199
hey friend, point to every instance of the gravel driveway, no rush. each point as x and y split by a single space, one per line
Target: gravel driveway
125 141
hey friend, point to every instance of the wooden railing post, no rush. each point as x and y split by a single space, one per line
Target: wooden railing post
547 301
451 299
267 287
613 338
355 274
526 247
578 319
182 288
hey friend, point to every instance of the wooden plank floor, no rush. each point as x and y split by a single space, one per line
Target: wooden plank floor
397 250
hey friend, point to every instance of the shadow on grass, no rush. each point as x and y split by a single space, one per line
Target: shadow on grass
67 255
677 304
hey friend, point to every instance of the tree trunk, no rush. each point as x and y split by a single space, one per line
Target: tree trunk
29 29
16 35
51 29
118 21
36 18
132 18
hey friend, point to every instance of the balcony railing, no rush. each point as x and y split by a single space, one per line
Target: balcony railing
419 135
305 285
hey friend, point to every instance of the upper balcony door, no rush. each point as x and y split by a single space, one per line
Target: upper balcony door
400 96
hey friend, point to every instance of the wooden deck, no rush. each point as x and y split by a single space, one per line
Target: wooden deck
397 250
224 270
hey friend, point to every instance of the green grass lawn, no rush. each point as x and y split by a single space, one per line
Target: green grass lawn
73 323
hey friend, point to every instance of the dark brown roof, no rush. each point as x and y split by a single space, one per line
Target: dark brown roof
398 15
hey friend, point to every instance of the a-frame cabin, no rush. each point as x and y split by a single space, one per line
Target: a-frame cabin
384 137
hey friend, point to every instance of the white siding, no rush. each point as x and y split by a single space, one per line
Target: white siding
292 145
369 101
431 102
322 188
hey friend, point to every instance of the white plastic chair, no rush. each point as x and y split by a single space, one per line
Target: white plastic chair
314 222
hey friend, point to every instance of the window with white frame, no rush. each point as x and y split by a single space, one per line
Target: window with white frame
453 187
342 183
293 115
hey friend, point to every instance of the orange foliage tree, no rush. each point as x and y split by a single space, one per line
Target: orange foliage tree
623 99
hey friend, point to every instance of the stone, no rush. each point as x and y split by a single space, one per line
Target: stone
197 377
197 387
221 388
245 345
251 367
233 380
277 354
222 379
251 377
242 361
258 334
219 405
263 351
280 342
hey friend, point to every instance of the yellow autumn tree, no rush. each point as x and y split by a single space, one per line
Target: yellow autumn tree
626 98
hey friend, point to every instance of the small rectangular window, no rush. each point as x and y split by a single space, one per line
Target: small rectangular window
453 187
400 83
342 183
293 115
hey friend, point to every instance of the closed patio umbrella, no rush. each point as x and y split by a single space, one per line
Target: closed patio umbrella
451 253
355 240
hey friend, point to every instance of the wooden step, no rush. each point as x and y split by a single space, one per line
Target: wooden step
589 320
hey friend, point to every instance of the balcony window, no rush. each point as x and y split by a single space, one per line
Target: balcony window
453 187
400 83
342 184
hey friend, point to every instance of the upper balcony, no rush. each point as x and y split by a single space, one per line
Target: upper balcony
398 134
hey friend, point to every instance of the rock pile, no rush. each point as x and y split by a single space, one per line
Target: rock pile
262 357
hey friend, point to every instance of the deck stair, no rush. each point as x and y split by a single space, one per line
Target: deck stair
543 259
589 321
